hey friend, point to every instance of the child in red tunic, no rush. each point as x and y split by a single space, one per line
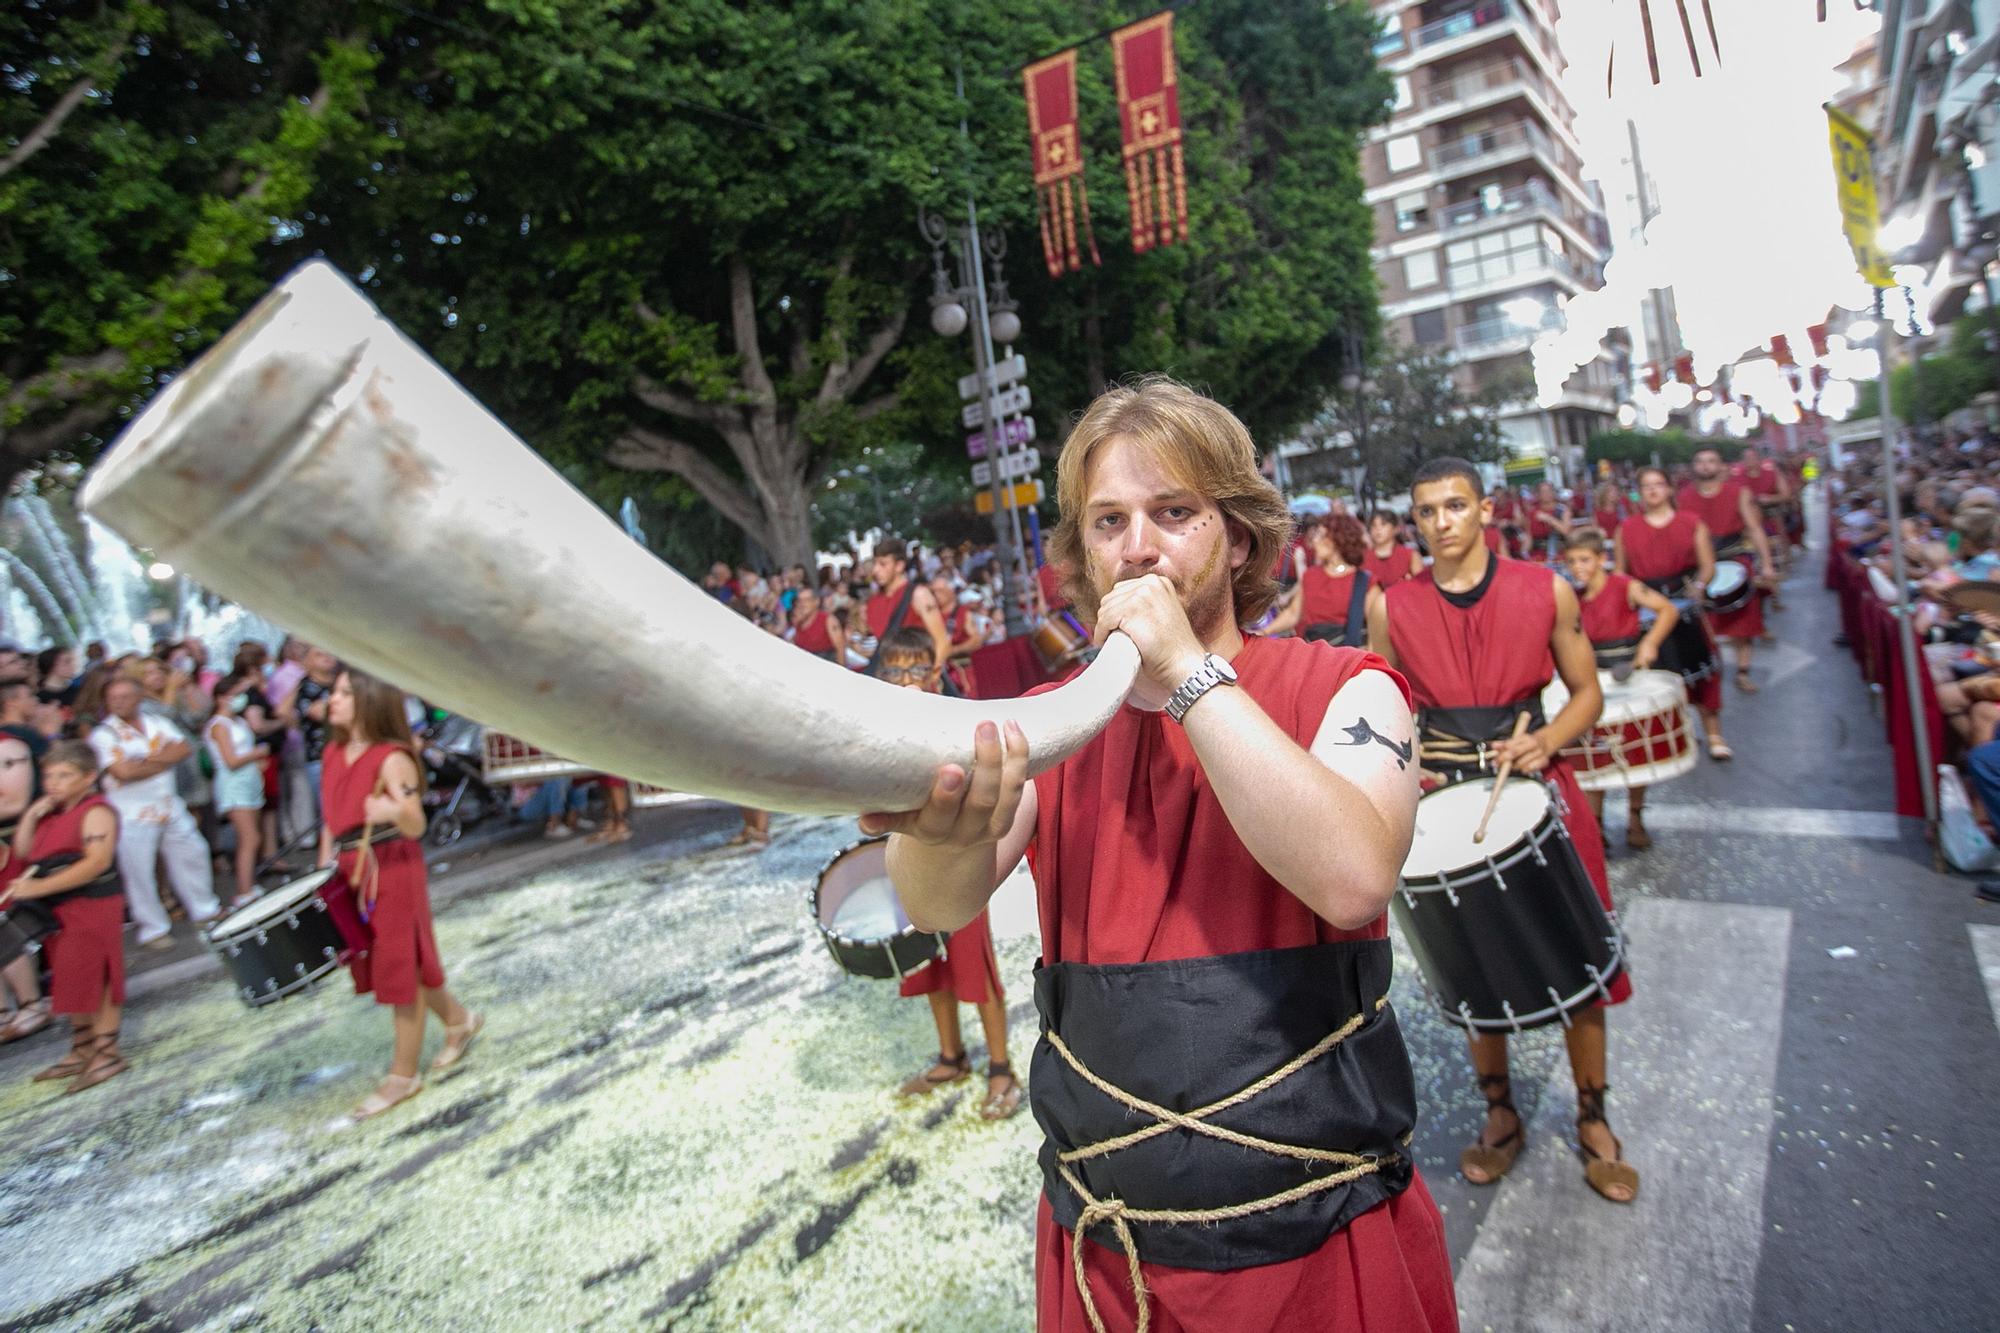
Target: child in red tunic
371 797
969 973
1611 604
1388 560
69 840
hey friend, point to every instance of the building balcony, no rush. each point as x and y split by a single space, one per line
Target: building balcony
1468 20
1489 275
1471 152
1519 202
1502 335
1500 76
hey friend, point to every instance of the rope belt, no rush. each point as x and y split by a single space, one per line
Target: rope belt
1095 1210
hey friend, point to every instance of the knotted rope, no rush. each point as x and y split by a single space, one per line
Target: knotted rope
1096 1210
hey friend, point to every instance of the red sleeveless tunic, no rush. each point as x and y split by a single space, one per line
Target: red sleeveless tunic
1135 861
1401 563
88 954
1666 553
1607 520
1724 517
1490 654
1610 616
404 953
881 609
1324 597
812 636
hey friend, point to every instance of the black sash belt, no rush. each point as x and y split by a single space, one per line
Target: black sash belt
1613 651
375 837
1155 1049
1735 544
1453 742
106 885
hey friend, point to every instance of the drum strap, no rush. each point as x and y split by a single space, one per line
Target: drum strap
373 836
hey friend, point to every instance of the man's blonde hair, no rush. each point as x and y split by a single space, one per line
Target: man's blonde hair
1203 447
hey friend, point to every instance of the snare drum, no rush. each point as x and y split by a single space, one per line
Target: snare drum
280 944
854 905
1509 933
1642 736
1059 640
1730 589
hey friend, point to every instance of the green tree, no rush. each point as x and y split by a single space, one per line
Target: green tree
161 153
1641 446
1410 408
1945 379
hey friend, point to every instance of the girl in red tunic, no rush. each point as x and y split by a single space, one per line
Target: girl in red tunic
371 799
1610 604
1324 605
969 973
1668 550
69 840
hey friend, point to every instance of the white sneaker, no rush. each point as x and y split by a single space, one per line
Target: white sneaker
559 832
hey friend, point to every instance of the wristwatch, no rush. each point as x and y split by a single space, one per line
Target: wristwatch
1214 671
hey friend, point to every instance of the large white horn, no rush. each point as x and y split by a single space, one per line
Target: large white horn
317 467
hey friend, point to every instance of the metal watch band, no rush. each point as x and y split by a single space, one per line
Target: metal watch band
1201 682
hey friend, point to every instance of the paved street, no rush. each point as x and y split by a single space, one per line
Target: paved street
684 1117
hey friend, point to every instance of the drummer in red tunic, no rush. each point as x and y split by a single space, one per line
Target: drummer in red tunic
1478 639
371 797
1772 489
1611 604
1212 872
901 600
1388 560
1669 550
69 840
969 973
1737 529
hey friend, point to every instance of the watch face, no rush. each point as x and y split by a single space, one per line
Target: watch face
1222 668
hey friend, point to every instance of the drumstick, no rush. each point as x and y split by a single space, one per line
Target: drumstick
1506 769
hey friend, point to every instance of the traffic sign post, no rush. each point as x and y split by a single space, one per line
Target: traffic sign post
1013 467
1006 372
1025 495
1012 402
1021 430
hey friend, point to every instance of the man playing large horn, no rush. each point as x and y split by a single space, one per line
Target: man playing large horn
1226 1097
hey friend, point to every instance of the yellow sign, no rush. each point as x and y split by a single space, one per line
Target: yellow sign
1019 496
1854 179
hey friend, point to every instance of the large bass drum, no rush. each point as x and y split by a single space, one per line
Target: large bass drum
1509 933
279 944
855 908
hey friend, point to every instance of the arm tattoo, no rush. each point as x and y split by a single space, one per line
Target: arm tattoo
1361 733
408 791
89 838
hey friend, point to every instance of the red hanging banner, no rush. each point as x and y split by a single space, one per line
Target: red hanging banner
1058 155
1149 117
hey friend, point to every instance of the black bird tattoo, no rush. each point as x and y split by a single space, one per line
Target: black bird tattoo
1361 733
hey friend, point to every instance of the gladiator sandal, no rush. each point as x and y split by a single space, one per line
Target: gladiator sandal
79 1054
1004 1103
1604 1174
393 1090
957 1068
1493 1160
105 1063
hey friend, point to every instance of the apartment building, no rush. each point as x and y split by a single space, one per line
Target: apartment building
1937 145
1484 226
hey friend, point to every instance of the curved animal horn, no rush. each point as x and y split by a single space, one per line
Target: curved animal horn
318 468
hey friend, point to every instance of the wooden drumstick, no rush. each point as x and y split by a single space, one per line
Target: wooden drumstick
1500 780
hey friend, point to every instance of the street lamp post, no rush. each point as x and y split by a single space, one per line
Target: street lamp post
992 316
1360 388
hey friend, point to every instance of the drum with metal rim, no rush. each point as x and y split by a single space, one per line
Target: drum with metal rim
1059 640
1642 736
279 944
1730 589
854 905
1508 932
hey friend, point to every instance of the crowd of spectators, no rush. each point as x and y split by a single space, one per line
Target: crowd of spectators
1948 488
